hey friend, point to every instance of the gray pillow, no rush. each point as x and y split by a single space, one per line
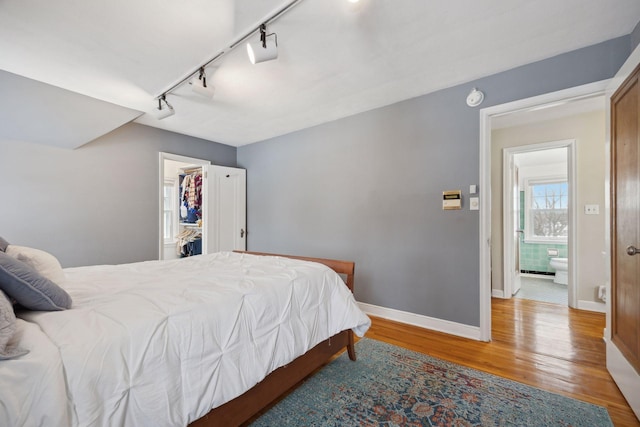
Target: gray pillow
30 289
7 329
3 245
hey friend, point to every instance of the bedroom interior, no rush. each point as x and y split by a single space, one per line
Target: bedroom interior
348 138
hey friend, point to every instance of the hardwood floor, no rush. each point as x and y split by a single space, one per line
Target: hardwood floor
548 346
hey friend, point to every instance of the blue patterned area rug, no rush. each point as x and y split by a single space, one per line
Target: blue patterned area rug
392 386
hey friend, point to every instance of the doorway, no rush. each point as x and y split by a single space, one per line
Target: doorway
491 204
219 224
168 184
539 216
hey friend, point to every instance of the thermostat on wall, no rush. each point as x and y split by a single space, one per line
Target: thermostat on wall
452 199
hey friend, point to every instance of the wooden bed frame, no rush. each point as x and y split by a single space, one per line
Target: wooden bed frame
245 406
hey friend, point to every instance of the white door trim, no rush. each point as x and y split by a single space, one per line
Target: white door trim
597 88
161 158
507 226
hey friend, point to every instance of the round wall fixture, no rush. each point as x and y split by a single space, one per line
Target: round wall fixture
475 98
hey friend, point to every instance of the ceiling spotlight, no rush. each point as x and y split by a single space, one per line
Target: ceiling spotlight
166 111
265 49
199 85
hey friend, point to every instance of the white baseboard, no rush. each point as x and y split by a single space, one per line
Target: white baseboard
599 307
453 328
497 293
625 376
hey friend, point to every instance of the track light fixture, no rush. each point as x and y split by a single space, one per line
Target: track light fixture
166 111
264 50
199 85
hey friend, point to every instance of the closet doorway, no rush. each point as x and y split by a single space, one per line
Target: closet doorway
218 220
171 166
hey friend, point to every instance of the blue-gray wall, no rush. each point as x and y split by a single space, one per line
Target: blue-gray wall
97 204
635 37
368 187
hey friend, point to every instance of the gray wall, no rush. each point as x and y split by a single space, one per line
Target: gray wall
97 204
635 37
368 187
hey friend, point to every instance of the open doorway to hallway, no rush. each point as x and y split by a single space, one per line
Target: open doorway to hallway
548 168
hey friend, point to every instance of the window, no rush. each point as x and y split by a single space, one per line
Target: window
546 216
169 209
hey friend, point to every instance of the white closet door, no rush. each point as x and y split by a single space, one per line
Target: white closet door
225 211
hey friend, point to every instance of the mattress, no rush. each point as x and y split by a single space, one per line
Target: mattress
163 342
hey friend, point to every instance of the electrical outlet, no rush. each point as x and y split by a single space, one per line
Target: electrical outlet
591 209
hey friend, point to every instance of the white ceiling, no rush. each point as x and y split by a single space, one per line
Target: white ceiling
335 59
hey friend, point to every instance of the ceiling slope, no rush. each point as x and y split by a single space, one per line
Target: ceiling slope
335 58
37 112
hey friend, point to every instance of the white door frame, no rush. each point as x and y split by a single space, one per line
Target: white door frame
161 158
507 219
597 88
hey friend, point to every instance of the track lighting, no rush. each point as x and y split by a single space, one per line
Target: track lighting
166 111
199 85
265 49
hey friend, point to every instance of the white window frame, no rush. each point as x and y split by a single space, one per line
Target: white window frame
528 224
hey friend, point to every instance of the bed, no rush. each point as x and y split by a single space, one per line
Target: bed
163 342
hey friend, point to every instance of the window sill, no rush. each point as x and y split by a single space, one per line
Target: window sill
545 242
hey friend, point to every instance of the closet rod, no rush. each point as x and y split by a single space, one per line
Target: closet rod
192 170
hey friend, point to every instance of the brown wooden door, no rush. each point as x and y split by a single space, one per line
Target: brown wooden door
625 219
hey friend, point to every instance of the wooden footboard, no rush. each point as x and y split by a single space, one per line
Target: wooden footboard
245 406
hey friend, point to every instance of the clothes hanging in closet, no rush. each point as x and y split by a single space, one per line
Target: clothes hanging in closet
189 242
191 197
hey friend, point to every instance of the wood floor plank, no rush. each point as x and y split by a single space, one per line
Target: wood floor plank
544 345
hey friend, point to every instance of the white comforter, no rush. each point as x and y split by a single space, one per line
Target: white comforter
160 343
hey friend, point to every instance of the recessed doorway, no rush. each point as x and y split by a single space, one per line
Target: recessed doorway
491 206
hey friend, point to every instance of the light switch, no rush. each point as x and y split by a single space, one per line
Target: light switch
474 203
473 189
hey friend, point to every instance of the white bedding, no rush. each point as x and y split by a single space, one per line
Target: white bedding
160 343
32 387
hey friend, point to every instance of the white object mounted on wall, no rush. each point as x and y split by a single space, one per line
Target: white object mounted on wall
474 203
475 98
